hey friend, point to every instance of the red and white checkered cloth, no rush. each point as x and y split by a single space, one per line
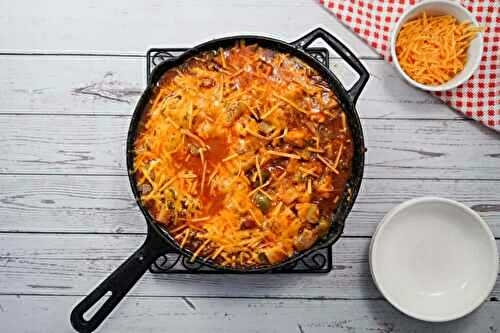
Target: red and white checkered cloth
479 97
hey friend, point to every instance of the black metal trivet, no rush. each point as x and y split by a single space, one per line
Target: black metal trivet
320 261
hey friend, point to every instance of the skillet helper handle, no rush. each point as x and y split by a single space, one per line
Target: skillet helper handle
117 284
343 52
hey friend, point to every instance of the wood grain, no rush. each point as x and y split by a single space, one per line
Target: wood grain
71 75
104 204
99 85
74 264
397 148
153 314
130 27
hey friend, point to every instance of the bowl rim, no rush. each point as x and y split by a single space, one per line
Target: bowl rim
484 226
395 32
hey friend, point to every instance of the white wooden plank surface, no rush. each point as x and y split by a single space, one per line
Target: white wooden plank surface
396 148
130 27
153 314
112 85
67 116
104 204
74 264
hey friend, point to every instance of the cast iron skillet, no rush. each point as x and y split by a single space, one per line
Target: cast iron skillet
158 239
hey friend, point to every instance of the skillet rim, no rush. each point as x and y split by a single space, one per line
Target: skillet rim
347 104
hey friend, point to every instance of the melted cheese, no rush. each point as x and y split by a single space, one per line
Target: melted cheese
211 131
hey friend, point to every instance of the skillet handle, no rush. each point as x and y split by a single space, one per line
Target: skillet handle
343 52
117 284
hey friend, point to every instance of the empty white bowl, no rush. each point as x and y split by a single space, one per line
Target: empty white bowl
441 7
434 259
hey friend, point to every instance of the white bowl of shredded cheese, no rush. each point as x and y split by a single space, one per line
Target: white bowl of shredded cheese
433 8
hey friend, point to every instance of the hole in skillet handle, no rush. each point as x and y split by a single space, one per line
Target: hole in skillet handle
343 52
116 285
97 305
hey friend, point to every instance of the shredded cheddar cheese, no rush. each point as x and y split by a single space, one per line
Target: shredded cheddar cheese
432 50
225 164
